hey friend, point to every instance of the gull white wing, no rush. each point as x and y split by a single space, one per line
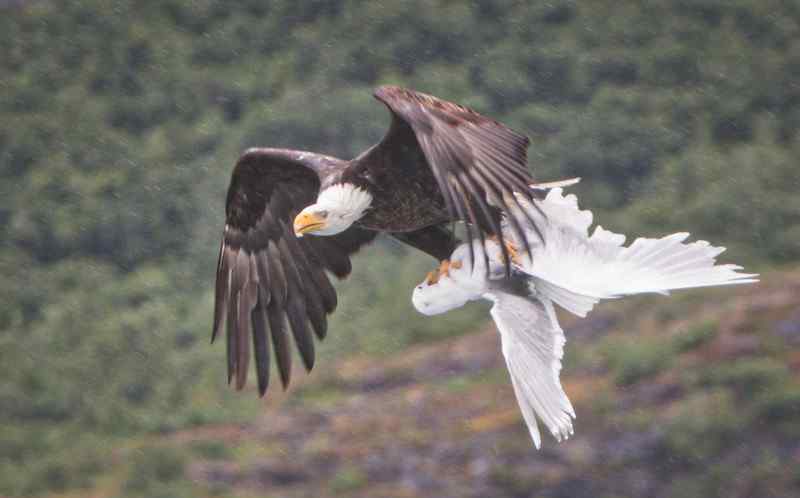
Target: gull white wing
533 345
576 269
532 341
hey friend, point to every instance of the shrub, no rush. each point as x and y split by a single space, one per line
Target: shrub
632 361
153 467
705 423
695 336
748 376
780 408
348 478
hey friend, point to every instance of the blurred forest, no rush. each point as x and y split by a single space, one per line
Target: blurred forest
120 122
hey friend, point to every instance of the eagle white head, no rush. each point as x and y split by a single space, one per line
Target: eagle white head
336 209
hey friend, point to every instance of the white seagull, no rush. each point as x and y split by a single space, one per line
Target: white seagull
570 268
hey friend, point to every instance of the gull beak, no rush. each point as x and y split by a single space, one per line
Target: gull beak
307 222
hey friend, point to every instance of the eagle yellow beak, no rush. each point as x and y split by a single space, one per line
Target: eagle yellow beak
307 222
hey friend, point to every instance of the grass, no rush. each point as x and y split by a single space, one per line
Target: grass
695 337
156 471
702 425
631 362
748 375
323 394
780 408
350 478
467 382
211 449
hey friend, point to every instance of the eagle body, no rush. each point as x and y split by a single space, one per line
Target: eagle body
403 202
404 191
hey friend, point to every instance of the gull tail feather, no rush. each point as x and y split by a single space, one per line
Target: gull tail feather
575 269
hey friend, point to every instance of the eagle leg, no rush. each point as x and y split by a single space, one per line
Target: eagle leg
444 268
512 249
434 276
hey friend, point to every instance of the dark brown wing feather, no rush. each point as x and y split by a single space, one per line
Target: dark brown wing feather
269 282
478 163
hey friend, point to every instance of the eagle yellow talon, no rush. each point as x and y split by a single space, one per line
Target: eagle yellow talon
444 268
432 277
510 247
512 251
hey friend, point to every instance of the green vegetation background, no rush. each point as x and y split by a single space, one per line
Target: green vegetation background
120 122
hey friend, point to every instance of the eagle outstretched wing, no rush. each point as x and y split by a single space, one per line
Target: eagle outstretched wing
269 281
478 163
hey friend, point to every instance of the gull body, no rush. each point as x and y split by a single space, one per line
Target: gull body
571 269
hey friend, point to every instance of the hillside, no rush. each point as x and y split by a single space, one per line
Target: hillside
120 122
697 395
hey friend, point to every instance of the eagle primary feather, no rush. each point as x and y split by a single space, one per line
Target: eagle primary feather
268 281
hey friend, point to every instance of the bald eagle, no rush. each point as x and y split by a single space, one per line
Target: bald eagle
438 163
